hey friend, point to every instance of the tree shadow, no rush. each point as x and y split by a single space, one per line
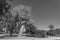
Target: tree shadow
37 36
7 36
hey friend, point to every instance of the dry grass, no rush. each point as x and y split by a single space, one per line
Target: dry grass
31 38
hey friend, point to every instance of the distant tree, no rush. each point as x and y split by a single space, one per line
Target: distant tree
51 27
52 31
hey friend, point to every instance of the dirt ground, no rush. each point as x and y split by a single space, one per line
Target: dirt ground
29 38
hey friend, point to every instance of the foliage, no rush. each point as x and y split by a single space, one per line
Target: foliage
22 13
4 7
12 23
30 28
51 27
22 10
4 10
17 17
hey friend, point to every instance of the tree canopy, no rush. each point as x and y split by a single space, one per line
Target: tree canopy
4 7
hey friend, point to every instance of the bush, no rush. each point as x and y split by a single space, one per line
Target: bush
51 33
40 34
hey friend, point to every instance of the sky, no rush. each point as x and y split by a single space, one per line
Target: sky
44 12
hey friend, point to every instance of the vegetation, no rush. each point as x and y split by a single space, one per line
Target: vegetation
11 24
51 27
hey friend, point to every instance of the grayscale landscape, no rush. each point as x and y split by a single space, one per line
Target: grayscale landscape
30 19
